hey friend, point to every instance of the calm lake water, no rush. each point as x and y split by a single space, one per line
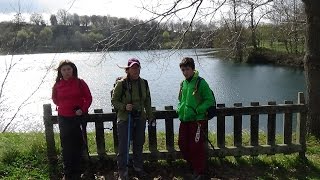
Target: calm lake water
231 83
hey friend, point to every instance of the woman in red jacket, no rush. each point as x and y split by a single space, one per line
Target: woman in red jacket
73 98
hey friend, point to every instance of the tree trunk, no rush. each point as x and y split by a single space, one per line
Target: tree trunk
253 29
312 65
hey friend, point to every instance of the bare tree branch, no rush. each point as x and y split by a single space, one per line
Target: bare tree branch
25 102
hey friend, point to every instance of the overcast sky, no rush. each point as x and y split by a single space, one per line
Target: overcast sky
117 8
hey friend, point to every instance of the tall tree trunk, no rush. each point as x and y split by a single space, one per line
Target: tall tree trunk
312 64
253 29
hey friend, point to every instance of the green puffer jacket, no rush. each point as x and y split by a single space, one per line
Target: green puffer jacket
193 106
142 104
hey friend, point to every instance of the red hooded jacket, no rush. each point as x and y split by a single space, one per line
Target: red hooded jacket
70 95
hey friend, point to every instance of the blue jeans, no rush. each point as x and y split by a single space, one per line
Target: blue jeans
138 127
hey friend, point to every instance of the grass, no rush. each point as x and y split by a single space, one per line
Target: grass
23 156
280 46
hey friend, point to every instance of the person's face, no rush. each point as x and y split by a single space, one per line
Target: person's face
134 71
187 71
66 72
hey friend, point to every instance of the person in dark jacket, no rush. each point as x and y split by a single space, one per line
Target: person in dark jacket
192 108
132 101
73 98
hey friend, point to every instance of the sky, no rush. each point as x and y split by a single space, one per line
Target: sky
117 8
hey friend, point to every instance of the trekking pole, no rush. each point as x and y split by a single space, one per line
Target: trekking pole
129 119
129 132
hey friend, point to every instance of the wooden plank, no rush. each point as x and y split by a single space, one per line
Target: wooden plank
237 127
222 111
254 127
263 109
287 126
152 134
51 147
220 152
169 131
221 129
255 150
115 135
301 127
271 127
147 155
100 139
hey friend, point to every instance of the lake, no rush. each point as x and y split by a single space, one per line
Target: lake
28 85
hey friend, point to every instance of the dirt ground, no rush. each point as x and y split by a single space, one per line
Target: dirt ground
181 171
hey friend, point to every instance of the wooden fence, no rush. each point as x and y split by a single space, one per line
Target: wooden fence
290 144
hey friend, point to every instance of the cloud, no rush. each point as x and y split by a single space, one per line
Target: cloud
15 6
117 8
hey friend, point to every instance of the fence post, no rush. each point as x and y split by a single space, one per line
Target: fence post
271 127
287 126
115 132
254 127
221 128
301 126
237 128
51 147
169 131
152 134
101 148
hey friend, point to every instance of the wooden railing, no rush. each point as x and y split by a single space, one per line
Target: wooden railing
221 149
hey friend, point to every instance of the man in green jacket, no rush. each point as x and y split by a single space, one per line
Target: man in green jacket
131 98
194 99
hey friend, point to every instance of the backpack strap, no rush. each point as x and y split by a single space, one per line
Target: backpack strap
139 85
196 88
124 86
146 84
140 91
180 91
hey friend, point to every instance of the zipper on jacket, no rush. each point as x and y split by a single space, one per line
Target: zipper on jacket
187 98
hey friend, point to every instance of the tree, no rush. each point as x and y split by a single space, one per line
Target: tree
53 20
62 17
36 18
312 64
94 20
76 20
289 21
253 25
45 35
85 21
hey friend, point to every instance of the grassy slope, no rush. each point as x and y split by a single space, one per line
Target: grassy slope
23 156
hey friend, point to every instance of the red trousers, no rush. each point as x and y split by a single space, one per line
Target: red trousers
193 152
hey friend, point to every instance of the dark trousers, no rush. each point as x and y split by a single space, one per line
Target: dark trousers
193 152
138 127
72 143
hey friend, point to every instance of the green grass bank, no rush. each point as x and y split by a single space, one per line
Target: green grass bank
23 156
